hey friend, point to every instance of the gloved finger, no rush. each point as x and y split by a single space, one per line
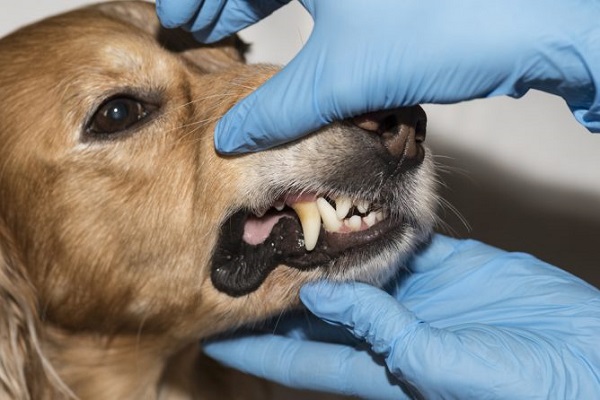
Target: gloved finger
279 111
303 325
312 91
466 361
206 16
175 13
434 253
440 251
482 362
217 20
330 79
307 365
367 312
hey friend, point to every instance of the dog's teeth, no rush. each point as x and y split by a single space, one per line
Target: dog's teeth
370 219
363 206
310 219
342 207
354 223
379 216
279 205
328 215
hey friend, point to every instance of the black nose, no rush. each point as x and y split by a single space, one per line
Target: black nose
402 130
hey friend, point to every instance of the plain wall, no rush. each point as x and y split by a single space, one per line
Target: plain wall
522 174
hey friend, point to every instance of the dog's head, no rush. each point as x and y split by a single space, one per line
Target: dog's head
125 219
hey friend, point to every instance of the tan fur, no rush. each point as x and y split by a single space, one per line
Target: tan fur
105 246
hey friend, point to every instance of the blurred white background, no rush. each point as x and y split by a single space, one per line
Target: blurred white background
522 173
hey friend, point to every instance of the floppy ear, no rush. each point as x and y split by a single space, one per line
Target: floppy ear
24 371
224 54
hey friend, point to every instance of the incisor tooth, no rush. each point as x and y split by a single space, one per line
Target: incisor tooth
279 205
354 222
342 207
363 206
370 219
310 219
328 215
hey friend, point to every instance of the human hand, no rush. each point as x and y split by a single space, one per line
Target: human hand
468 321
370 55
210 21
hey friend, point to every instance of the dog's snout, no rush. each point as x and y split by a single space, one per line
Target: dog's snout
402 130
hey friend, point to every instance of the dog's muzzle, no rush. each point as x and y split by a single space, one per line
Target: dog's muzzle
309 230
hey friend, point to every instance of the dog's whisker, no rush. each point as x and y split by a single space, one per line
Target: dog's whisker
191 133
251 88
196 125
445 228
200 100
444 203
277 321
452 169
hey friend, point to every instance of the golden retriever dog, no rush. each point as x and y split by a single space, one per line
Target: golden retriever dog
125 238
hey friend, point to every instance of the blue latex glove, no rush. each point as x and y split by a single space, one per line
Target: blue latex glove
469 322
371 55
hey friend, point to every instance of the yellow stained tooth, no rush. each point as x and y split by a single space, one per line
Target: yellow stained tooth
310 219
328 215
342 207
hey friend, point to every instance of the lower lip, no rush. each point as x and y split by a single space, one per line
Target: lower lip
338 242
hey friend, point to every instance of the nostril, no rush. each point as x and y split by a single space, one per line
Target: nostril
421 128
390 121
377 122
401 130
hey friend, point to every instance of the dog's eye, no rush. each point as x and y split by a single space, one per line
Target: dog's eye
117 115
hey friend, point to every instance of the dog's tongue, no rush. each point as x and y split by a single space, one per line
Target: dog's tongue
257 230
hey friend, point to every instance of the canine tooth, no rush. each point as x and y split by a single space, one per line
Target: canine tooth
363 206
370 219
328 215
279 205
310 219
354 222
342 207
379 216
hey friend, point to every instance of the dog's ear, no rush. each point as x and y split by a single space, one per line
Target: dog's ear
211 58
24 371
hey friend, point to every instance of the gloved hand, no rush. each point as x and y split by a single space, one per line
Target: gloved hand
470 322
370 55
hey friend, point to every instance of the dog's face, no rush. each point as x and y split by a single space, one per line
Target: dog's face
127 220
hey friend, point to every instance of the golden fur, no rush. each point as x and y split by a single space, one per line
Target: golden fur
106 245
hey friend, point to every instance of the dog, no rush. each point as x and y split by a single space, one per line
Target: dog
125 238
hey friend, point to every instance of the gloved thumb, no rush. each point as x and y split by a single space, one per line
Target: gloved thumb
367 312
281 110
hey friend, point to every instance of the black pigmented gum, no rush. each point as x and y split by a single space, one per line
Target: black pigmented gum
239 268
